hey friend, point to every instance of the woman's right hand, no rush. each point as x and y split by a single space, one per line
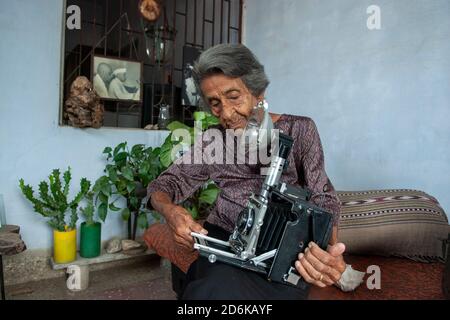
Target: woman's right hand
182 224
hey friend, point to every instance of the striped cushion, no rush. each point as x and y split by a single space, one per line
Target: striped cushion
404 223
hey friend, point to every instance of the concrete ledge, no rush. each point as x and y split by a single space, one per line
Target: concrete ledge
103 258
35 265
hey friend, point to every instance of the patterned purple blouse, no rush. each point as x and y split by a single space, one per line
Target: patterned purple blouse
237 181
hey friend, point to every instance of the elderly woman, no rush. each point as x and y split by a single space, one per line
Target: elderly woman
232 82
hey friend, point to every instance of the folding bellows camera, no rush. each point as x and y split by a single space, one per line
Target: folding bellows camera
276 225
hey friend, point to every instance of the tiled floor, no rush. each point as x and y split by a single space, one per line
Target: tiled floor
144 280
148 280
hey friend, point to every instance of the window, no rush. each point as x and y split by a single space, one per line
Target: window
114 32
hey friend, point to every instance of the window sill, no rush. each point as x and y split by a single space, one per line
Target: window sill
113 128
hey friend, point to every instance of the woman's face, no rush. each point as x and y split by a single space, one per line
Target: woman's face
229 100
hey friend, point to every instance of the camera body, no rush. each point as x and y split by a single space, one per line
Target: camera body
276 225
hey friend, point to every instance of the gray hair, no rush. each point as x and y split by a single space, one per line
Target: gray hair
232 60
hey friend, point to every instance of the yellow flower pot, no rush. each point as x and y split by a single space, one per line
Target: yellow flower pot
64 246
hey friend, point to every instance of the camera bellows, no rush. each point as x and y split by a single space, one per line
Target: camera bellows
274 224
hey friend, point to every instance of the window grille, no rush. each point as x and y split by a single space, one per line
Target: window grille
115 29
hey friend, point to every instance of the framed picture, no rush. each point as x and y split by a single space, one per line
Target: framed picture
190 95
117 79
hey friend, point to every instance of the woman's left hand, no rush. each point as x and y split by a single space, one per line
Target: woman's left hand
319 267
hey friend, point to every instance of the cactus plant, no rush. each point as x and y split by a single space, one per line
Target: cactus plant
53 202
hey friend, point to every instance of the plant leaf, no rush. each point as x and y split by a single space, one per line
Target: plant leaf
134 202
112 207
120 157
174 125
193 211
99 183
103 198
120 146
127 172
137 149
47 200
88 213
131 186
112 173
142 221
126 214
106 189
121 186
73 218
155 151
56 189
166 154
103 211
199 115
144 168
211 120
38 205
67 177
209 195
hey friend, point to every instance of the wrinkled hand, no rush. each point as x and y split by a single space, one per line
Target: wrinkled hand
182 224
319 267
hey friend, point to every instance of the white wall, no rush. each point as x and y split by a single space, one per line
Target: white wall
31 141
380 99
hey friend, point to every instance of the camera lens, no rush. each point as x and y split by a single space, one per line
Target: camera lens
245 221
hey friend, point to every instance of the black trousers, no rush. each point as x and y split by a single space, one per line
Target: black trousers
219 281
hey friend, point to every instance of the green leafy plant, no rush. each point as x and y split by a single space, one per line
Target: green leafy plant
127 174
53 202
88 212
176 144
204 198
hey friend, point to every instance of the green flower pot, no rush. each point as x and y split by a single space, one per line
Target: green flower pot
90 240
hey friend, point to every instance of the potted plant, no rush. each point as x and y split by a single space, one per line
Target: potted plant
127 174
129 171
204 198
90 230
53 204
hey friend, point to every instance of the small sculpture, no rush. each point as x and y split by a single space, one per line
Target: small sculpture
151 127
150 9
83 107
